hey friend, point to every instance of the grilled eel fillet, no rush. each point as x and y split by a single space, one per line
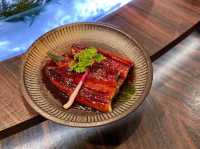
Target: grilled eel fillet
101 83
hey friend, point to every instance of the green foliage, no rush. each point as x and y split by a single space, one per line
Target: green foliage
86 58
55 57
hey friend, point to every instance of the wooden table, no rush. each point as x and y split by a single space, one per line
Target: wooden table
158 25
168 119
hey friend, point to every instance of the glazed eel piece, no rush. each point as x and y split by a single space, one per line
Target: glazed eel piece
101 83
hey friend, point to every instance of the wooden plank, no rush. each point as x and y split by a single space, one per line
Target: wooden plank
154 23
168 119
13 108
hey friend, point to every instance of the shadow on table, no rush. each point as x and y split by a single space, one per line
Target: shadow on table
116 133
23 125
110 135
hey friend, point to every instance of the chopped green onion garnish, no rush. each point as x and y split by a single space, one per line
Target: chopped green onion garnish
55 57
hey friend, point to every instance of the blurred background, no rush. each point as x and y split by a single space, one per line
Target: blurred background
23 21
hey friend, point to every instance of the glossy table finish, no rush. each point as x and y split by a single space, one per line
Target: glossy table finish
168 119
156 24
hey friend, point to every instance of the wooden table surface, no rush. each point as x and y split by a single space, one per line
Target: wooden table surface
156 24
168 119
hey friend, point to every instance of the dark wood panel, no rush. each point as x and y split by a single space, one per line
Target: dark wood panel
156 24
168 119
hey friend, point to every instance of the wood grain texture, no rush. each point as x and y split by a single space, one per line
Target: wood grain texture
154 23
13 109
169 118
